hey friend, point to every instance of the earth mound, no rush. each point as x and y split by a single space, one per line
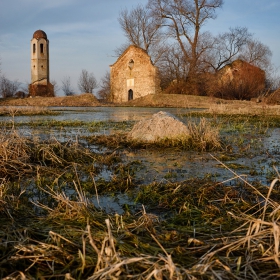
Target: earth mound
162 125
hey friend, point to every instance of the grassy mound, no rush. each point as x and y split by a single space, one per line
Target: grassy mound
85 99
170 100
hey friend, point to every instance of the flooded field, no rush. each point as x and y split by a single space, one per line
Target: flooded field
254 150
88 114
78 199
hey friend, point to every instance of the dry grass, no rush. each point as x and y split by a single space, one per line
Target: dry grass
86 99
202 137
74 240
216 231
213 105
21 156
23 111
243 108
253 248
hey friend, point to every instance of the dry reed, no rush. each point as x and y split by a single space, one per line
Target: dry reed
25 111
211 231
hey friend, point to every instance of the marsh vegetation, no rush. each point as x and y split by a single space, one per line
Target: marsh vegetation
93 205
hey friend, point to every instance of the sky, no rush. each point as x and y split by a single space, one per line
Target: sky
83 34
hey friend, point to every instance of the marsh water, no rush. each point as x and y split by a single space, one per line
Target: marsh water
256 163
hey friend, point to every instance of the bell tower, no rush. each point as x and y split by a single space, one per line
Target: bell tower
40 80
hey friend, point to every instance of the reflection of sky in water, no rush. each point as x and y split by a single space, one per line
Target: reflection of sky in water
159 165
85 114
89 114
176 165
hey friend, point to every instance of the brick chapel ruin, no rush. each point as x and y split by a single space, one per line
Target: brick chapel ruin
133 75
40 74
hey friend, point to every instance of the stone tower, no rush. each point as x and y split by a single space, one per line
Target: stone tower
40 78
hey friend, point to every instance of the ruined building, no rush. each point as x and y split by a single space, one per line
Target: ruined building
40 83
133 75
242 79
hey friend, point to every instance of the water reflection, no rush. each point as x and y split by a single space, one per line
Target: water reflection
159 165
88 114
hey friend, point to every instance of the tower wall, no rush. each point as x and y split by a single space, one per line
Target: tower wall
40 75
39 60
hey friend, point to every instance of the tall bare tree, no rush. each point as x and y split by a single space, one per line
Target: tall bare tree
226 47
105 87
8 88
66 86
257 53
184 20
87 82
172 67
55 87
142 30
25 88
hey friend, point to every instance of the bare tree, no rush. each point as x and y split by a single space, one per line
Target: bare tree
189 55
25 88
272 80
226 47
183 20
87 82
105 90
173 68
66 86
139 27
55 87
257 54
142 30
8 88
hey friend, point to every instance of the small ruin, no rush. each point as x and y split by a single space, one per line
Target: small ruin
133 75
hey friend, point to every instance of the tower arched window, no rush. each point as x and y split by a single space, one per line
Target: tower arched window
34 48
41 48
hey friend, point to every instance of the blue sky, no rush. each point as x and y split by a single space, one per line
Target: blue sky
83 34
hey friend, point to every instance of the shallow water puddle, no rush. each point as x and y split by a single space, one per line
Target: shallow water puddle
172 165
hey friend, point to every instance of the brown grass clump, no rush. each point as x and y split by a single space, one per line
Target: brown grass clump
247 108
204 136
25 111
254 246
20 156
273 98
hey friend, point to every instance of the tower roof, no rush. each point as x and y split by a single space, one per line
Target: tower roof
40 34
